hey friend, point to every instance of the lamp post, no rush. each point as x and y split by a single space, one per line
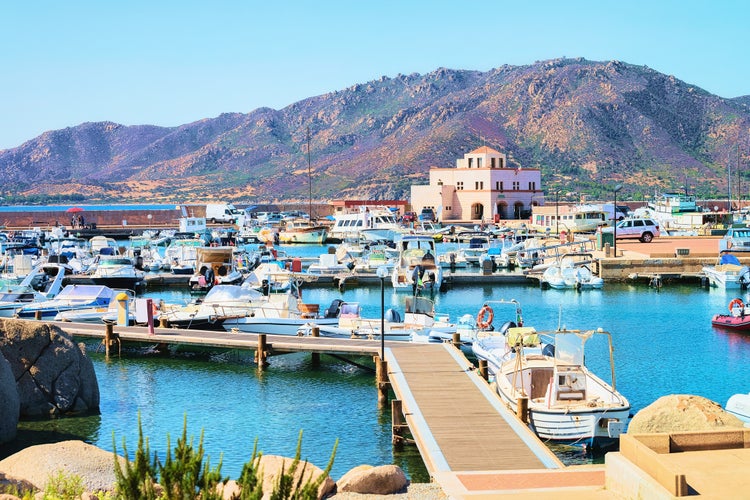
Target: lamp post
557 212
614 217
382 273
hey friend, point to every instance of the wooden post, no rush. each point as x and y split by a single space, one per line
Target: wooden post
315 332
397 422
108 330
163 322
522 409
381 374
261 353
38 315
483 369
457 340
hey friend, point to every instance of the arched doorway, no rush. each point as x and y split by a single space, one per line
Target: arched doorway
477 211
502 210
518 211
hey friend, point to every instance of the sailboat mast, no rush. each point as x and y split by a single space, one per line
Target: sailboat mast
309 173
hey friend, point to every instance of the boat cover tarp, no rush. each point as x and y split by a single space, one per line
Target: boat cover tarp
728 258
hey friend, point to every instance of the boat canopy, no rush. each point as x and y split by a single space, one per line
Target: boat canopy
231 293
729 258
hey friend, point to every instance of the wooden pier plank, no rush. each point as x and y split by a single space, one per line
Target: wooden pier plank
454 423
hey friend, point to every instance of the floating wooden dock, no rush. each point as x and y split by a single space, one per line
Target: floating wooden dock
457 421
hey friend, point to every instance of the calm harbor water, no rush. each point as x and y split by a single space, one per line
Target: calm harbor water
664 344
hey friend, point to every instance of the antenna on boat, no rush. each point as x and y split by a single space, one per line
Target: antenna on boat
559 317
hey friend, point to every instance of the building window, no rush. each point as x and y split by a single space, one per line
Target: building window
448 208
500 160
471 162
499 186
516 185
460 185
492 162
479 185
479 163
532 186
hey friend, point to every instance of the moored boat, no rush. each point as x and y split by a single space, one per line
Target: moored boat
737 319
728 273
739 406
416 266
567 403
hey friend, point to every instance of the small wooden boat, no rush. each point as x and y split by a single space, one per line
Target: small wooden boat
737 319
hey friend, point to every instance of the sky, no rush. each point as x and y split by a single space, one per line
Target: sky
167 63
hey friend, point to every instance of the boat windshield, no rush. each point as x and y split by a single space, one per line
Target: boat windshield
569 348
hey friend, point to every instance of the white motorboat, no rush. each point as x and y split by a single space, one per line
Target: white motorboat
43 283
416 267
221 303
70 297
739 406
473 245
728 273
570 273
116 271
215 266
371 223
349 323
567 403
282 314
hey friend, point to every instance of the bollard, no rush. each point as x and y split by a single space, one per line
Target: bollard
150 315
123 309
483 372
38 315
522 409
607 250
163 322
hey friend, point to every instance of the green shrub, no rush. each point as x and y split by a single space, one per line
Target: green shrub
184 475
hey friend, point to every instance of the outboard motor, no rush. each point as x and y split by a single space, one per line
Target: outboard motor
392 316
334 309
507 325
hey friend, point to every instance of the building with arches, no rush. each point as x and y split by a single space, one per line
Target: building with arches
482 187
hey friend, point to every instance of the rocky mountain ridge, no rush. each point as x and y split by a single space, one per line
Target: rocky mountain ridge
588 125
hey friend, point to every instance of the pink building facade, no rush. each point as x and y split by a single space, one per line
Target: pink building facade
480 187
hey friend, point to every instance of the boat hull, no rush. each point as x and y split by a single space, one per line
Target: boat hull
274 326
734 322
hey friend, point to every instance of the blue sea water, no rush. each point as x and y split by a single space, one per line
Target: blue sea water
663 339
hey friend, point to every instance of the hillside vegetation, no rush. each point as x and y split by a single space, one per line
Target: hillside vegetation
588 125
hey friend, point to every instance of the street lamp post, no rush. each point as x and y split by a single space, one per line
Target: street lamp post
614 217
557 213
382 273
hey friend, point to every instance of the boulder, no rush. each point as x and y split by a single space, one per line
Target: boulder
270 466
10 403
367 480
682 412
53 375
37 464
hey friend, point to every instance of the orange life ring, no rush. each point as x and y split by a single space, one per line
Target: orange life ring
736 302
485 317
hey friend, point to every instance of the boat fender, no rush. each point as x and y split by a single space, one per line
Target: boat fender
485 317
392 316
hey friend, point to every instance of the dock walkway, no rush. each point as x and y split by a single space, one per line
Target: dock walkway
456 420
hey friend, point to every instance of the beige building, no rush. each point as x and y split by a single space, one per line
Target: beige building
480 187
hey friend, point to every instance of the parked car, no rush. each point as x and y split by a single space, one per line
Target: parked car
643 229
427 215
736 238
409 217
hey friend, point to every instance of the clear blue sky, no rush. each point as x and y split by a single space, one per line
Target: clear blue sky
173 62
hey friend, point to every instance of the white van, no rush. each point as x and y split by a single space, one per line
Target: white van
222 212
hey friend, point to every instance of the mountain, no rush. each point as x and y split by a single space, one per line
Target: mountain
588 125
